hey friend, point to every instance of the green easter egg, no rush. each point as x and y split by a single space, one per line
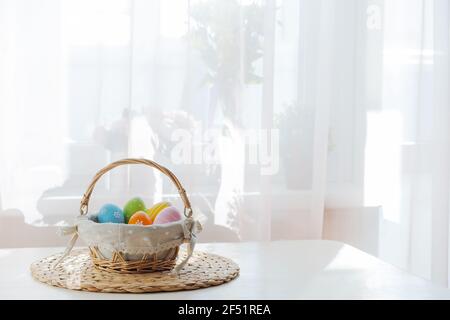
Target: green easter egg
133 206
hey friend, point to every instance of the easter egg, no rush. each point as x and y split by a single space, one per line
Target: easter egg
133 206
169 214
140 217
157 208
110 213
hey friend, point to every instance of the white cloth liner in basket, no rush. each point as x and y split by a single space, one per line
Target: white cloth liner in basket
134 240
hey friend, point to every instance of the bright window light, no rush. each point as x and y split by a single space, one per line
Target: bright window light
88 23
382 183
174 16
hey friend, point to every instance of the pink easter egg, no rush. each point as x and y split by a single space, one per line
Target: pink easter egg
169 214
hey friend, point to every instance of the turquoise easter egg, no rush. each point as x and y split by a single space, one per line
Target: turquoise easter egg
167 215
110 213
133 206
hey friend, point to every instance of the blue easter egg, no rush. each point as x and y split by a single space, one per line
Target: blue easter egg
110 213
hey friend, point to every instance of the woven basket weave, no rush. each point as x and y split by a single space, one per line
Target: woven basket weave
122 262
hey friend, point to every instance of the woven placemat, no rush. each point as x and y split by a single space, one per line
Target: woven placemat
77 272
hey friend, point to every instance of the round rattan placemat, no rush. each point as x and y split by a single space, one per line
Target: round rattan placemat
77 272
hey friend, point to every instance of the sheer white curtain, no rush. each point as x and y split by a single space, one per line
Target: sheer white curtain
272 114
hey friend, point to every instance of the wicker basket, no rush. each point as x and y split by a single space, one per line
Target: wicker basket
124 262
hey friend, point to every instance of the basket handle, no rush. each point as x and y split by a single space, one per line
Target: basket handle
85 200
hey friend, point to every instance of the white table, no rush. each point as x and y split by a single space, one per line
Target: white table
304 269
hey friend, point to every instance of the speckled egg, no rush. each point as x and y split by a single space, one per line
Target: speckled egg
133 206
157 208
141 218
110 213
168 215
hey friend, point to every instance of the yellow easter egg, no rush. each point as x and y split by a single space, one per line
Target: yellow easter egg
157 208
